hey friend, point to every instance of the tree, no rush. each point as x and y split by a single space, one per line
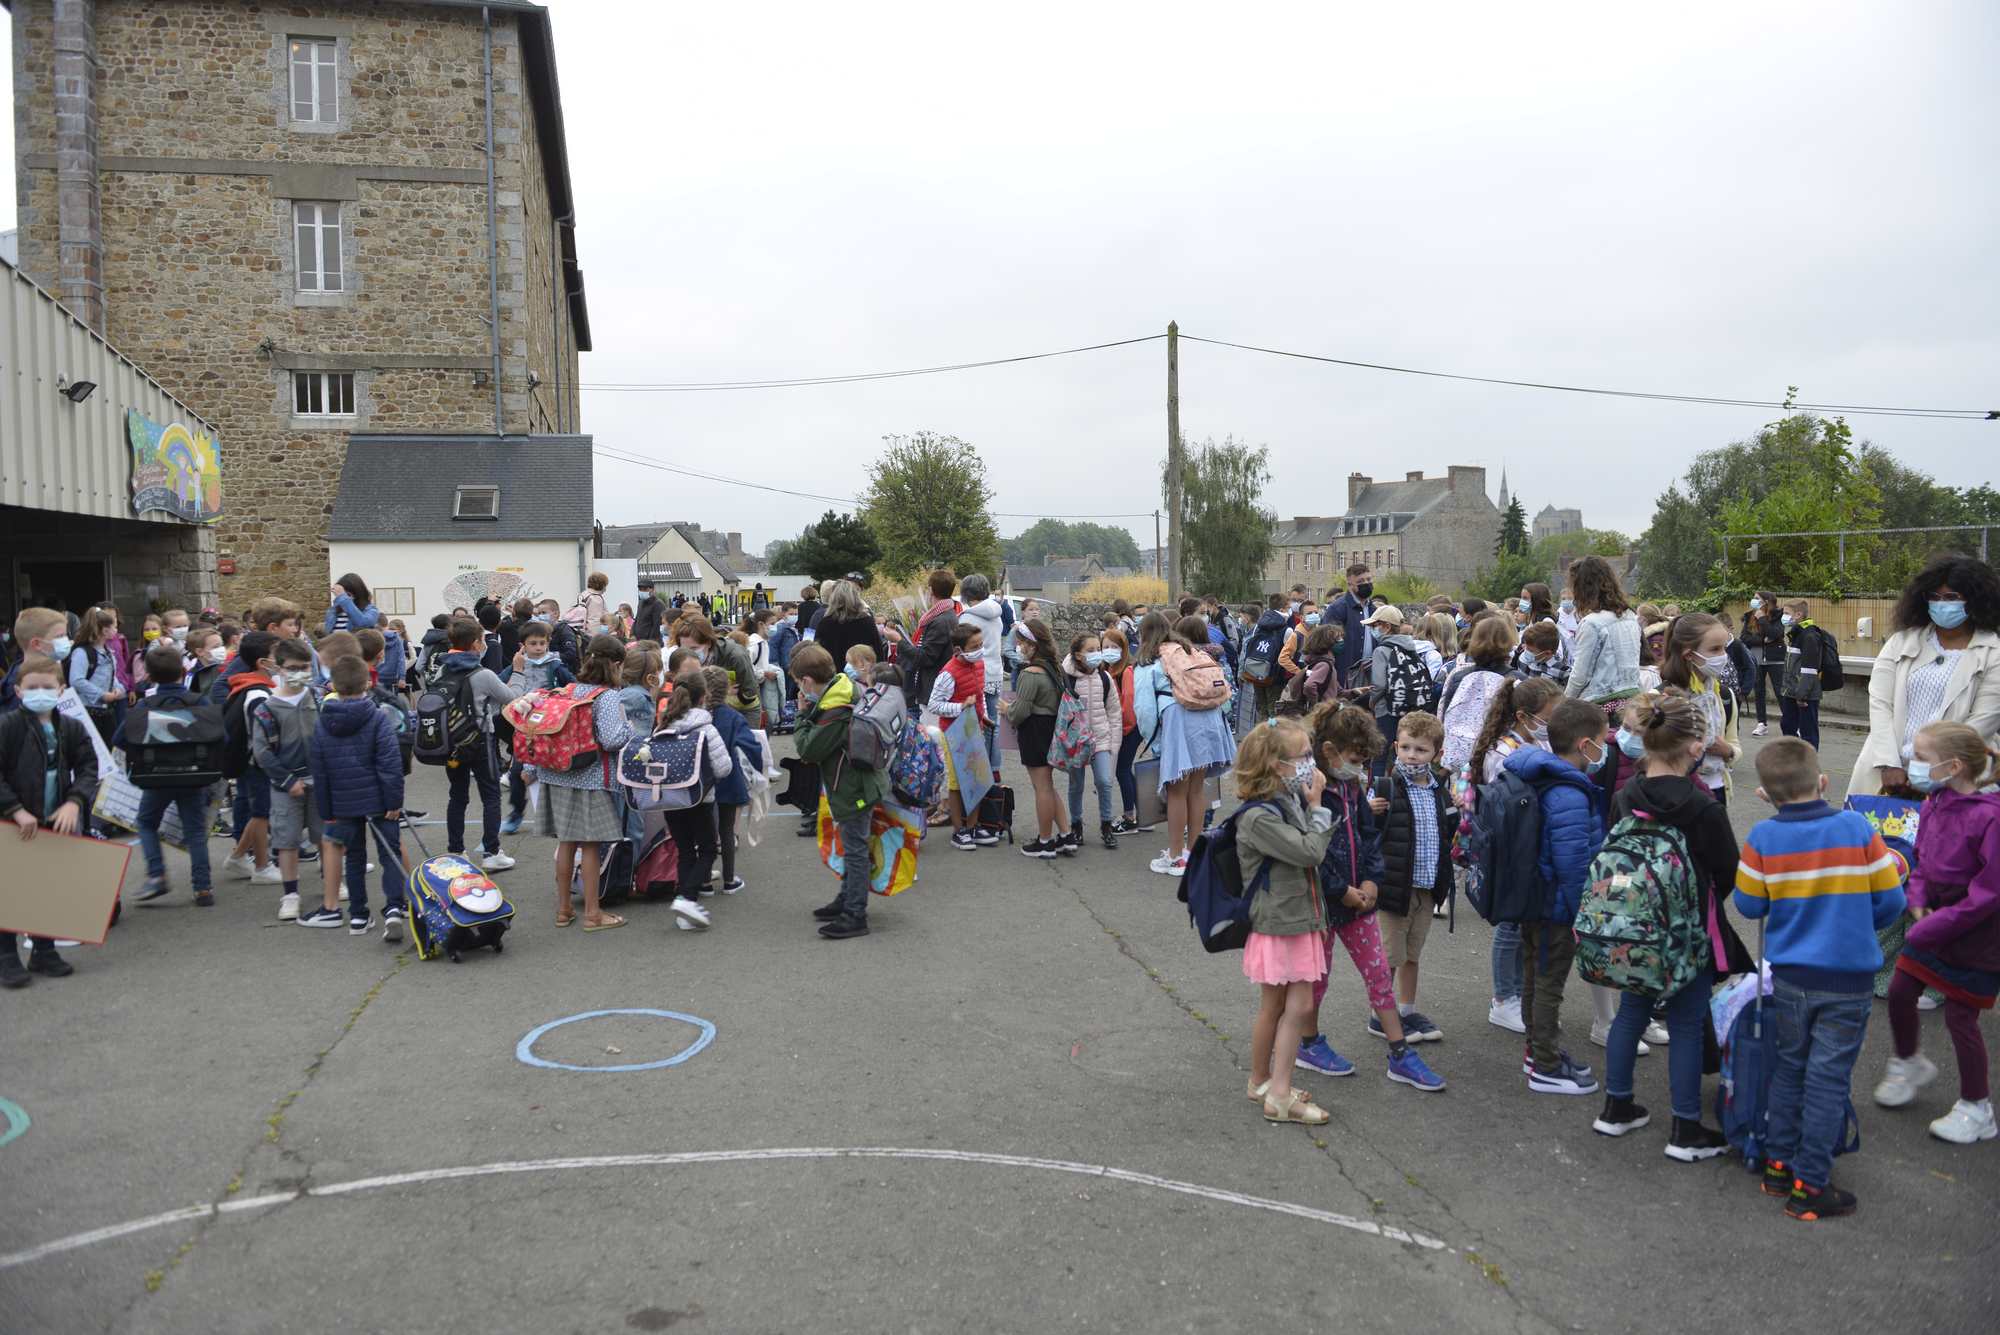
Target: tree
1513 530
1053 537
926 501
781 556
835 546
1507 578
1226 533
1404 588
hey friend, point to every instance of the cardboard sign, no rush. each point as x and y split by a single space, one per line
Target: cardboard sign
118 804
60 886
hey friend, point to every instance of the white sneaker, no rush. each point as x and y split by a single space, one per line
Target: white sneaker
1905 1076
268 874
1163 864
1758 731
1966 1123
1506 1015
1180 866
239 865
342 892
288 908
1656 1033
497 860
689 915
1598 1036
1929 1001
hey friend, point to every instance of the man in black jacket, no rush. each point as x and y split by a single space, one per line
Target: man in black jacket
646 622
1347 611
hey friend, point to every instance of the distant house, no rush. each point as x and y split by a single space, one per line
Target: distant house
678 557
1441 528
1058 580
1551 522
1303 549
434 522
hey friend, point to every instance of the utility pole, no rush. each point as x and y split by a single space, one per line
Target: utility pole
1159 557
1175 460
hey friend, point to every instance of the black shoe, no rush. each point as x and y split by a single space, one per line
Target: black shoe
1108 835
50 963
1066 844
1124 826
827 912
843 927
11 972
808 829
1691 1142
308 855
1827 1202
1619 1116
411 813
1777 1178
1040 848
204 899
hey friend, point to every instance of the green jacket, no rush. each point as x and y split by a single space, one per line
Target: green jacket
822 739
1035 693
1290 904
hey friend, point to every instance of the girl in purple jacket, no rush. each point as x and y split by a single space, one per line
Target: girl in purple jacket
1954 945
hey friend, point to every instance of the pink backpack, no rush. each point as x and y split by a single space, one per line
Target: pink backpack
1197 679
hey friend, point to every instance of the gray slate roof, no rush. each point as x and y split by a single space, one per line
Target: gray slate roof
1400 500
679 572
401 488
631 541
1304 531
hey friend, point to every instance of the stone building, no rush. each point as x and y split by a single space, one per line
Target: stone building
1442 528
1551 522
284 213
1303 551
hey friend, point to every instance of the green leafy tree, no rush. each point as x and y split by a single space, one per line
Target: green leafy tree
1819 485
1048 538
1404 587
926 501
837 545
781 556
1225 530
1513 530
1507 577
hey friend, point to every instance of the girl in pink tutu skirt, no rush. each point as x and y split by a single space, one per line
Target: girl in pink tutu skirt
1281 835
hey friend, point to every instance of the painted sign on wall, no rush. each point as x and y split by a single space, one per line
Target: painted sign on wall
504 586
175 468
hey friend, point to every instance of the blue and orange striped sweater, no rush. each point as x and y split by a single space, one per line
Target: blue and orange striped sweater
1826 883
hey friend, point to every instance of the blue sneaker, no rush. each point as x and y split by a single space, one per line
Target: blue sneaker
1418 1028
512 825
1409 1069
1318 1055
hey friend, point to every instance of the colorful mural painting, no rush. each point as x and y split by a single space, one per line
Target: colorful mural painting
504 586
175 468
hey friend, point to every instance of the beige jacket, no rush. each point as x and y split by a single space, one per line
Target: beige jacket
1973 697
1107 718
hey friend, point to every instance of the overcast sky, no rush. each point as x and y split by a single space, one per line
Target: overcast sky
1719 199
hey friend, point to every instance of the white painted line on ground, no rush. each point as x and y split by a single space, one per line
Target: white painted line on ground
425 1177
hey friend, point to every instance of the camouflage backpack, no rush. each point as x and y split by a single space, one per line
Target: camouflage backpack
1639 927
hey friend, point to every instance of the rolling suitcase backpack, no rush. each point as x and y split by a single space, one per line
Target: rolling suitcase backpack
453 905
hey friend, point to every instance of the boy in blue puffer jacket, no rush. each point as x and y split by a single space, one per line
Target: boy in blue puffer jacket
1572 812
357 780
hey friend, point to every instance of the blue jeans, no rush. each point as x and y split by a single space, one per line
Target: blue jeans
1819 1037
1100 769
192 803
252 801
855 827
352 834
1685 1012
1507 961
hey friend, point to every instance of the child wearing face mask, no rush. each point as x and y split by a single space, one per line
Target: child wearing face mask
206 648
1697 658
537 668
282 727
958 686
1798 696
48 780
1518 717
1418 821
1091 685
1954 945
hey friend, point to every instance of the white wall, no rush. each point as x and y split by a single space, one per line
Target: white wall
443 575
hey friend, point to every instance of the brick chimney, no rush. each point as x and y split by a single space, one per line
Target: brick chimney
1414 475
1467 478
1356 484
736 545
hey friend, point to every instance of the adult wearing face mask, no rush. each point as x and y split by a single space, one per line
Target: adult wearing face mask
1764 635
695 634
646 623
1348 611
1942 664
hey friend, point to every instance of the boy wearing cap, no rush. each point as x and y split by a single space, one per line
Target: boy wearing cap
1399 682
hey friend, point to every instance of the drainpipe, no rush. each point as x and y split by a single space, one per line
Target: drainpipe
558 295
492 229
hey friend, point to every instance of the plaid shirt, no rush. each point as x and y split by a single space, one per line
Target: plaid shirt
1424 823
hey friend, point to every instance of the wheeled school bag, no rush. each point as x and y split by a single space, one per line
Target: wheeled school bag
1749 1035
1218 902
1639 925
556 731
173 746
996 811
453 905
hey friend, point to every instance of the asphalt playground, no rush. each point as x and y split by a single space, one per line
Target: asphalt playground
1017 1106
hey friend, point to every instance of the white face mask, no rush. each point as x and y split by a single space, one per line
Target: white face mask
218 655
1715 664
296 678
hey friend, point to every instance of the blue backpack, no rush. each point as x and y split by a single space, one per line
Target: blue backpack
1749 1054
1218 903
1501 850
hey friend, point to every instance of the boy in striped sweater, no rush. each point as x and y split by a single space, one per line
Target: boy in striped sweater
1825 884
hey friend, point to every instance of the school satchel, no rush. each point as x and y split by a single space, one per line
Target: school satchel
1639 926
447 723
557 731
176 746
1197 679
667 771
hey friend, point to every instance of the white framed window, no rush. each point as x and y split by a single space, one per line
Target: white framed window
315 94
396 602
477 502
316 238
323 393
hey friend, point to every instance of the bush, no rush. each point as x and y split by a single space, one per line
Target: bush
1132 588
1404 588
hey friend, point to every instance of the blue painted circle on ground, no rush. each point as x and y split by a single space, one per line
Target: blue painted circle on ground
17 1120
524 1051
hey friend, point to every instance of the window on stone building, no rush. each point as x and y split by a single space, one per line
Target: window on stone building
316 230
323 393
396 602
315 96
1288 563
476 503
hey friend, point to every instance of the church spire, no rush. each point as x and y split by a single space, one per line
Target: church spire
1503 485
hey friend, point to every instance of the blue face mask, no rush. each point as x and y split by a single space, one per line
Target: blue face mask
1632 745
1111 655
1312 618
1921 777
1756 604
1095 658
1603 754
1785 620
61 645
1947 613
1569 605
39 699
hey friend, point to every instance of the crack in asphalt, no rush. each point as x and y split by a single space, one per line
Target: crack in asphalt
1476 1256
272 1135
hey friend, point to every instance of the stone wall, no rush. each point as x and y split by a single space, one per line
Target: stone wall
1450 544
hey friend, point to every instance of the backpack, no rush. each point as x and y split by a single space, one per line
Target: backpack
388 702
447 721
174 745
1465 716
1197 679
577 614
1831 675
1409 688
1218 903
556 731
666 772
1308 689
1502 847
917 773
873 733
1749 1051
1639 925
1070 747
1260 656
236 733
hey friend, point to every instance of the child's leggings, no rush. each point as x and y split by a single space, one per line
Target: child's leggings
725 837
693 829
1960 1021
1363 940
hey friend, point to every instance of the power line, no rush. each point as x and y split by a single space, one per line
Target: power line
1948 414
699 386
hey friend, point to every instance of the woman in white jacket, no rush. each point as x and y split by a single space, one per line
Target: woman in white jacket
983 610
1086 679
1942 663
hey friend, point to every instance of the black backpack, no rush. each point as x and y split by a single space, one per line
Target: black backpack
1409 687
174 744
447 721
1831 676
1501 844
236 732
